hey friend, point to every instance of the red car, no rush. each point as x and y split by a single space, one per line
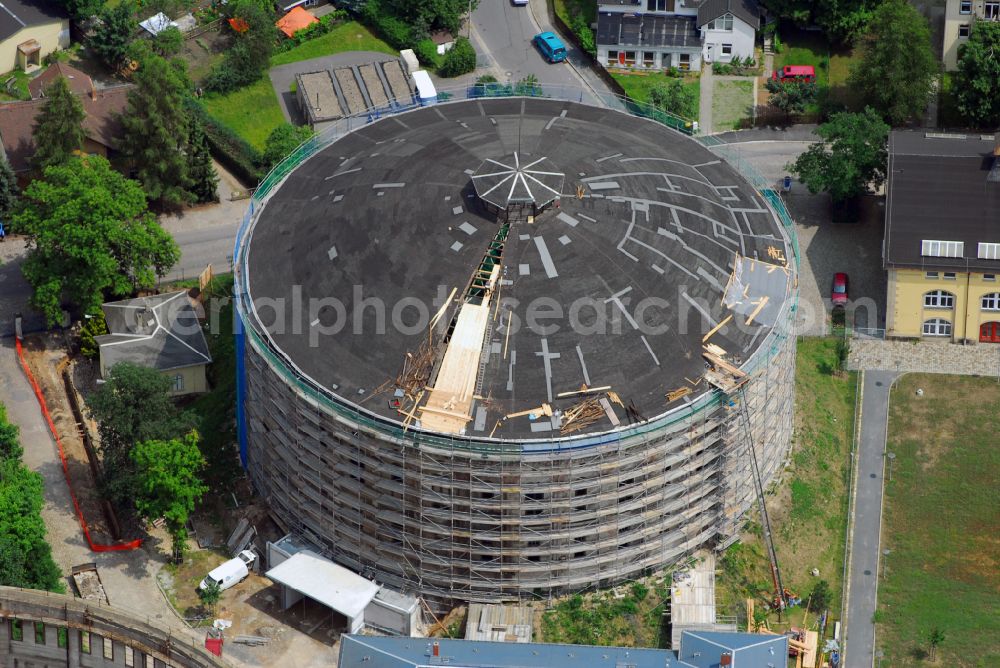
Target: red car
803 73
839 295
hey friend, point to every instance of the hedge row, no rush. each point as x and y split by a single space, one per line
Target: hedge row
234 152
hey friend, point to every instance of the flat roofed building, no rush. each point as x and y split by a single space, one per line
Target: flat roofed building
942 236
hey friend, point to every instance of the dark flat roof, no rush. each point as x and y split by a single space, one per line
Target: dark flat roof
616 29
938 190
389 212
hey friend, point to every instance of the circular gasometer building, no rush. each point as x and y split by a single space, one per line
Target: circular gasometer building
502 348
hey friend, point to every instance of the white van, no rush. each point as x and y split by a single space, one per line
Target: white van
231 572
426 94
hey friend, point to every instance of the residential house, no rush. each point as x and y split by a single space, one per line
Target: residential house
295 20
958 18
161 332
29 31
942 237
79 82
102 125
659 34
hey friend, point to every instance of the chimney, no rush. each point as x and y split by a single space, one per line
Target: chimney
726 659
436 648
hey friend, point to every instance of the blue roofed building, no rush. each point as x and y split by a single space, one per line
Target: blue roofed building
698 650
737 650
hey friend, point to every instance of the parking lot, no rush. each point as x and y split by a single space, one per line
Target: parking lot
825 247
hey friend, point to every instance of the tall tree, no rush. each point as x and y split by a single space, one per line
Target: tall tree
156 131
851 156
89 235
81 10
978 80
133 405
791 97
425 15
897 70
112 34
170 483
59 129
201 170
842 20
8 190
250 53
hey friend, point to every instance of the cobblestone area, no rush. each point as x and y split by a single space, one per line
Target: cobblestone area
925 357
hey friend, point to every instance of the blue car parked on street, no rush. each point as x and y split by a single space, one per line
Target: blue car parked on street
551 47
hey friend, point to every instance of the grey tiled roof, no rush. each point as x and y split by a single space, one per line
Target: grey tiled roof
160 331
747 10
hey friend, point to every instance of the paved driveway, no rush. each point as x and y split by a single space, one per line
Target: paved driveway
865 553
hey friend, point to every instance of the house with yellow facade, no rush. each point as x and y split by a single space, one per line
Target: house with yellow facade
942 237
29 31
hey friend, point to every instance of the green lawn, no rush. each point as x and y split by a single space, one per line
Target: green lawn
631 618
349 36
731 103
942 523
833 64
808 510
252 112
637 86
566 8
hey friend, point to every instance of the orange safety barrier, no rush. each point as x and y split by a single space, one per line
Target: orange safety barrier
117 547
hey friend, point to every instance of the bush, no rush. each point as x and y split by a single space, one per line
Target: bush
396 32
426 52
234 152
672 96
283 140
94 325
459 60
578 24
168 42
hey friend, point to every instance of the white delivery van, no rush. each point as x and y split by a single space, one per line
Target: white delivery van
426 94
231 572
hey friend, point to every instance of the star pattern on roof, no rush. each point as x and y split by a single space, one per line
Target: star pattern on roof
511 182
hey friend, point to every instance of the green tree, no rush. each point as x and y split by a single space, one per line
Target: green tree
59 130
842 20
851 156
427 15
201 171
283 140
168 42
819 599
133 405
8 190
112 34
80 10
155 131
934 638
10 438
896 72
249 56
93 326
210 596
169 483
673 96
791 97
89 235
978 75
460 59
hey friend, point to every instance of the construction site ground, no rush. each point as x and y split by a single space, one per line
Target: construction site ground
46 356
306 634
941 523
807 505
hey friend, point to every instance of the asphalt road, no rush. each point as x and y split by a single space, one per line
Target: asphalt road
502 34
866 546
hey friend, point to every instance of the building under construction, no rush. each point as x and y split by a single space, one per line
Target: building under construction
506 348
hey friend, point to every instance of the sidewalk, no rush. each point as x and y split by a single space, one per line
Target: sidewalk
925 357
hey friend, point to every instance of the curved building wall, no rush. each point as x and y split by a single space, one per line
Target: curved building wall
58 630
461 518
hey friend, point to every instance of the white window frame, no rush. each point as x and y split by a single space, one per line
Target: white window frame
964 30
682 65
949 275
990 302
612 58
108 647
989 277
931 275
724 23
988 251
991 10
965 7
723 50
177 382
937 327
939 299
938 248
652 58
